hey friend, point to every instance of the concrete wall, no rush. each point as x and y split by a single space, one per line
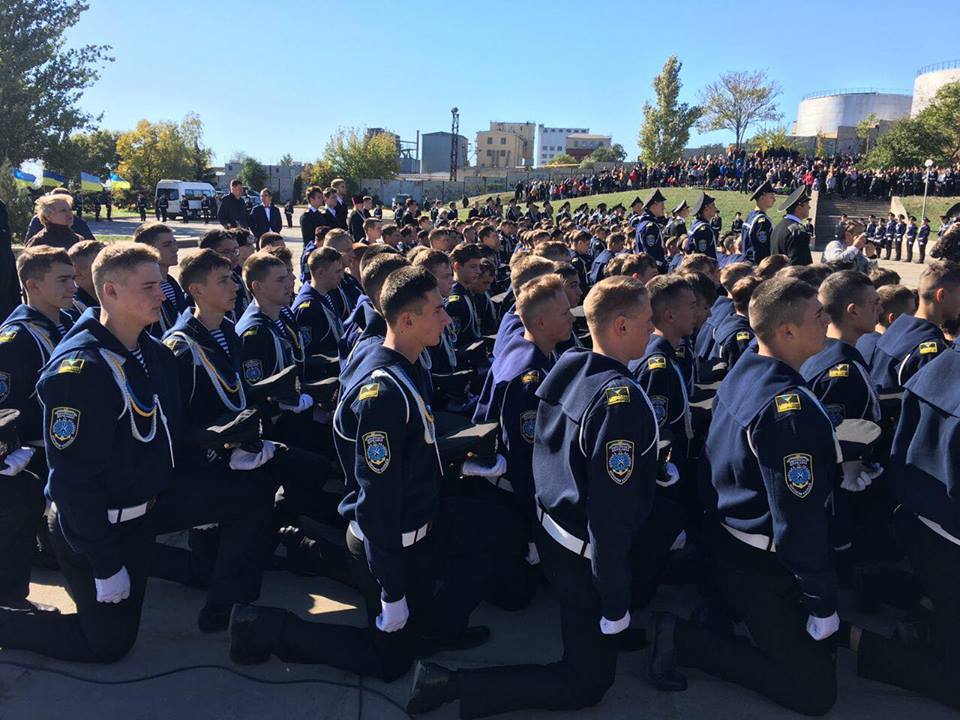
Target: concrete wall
280 179
826 114
927 84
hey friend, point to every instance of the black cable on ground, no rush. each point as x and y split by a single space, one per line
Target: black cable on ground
359 687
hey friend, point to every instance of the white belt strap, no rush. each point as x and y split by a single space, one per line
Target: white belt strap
761 542
569 541
121 515
938 529
407 538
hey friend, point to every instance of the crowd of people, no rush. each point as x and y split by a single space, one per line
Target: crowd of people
600 402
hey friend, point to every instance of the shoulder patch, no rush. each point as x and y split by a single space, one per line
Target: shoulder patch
929 347
743 336
798 473
64 426
657 362
528 425
252 331
70 365
531 376
660 407
370 390
787 403
453 298
376 451
9 334
620 460
4 386
618 395
839 371
305 304
252 371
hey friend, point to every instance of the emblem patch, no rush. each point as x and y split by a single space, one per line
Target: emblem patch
368 391
304 304
787 403
528 424
71 365
8 334
651 240
252 371
929 347
839 371
453 298
531 376
660 407
376 451
64 425
762 237
743 336
836 412
4 386
619 460
798 473
252 331
306 333
618 395
657 362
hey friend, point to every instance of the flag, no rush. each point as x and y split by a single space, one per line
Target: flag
52 179
118 183
23 179
90 183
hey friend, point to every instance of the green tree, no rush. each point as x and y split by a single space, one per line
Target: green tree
934 133
153 151
666 126
355 157
93 152
41 81
253 174
614 153
771 138
318 173
562 159
867 126
286 160
737 101
18 201
820 146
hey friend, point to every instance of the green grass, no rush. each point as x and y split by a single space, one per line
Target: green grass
936 206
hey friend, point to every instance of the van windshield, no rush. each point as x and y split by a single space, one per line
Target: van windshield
168 193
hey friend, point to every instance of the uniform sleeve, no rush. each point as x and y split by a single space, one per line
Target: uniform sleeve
80 420
798 463
185 370
313 324
18 353
923 354
518 424
456 308
657 378
622 477
378 468
257 354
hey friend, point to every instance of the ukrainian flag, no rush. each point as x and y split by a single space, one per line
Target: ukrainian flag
118 183
52 179
23 179
90 183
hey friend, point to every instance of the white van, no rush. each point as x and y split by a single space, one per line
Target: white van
180 191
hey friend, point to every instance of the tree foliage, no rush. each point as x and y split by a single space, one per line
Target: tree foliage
153 151
666 127
614 153
934 133
318 173
253 174
737 101
93 152
18 201
355 157
562 159
771 138
41 81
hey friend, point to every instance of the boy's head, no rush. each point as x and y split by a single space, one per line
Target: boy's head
82 256
544 310
895 300
47 276
375 274
412 306
618 314
788 318
160 237
674 305
267 278
851 301
326 269
206 275
126 277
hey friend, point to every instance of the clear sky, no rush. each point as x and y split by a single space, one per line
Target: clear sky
275 77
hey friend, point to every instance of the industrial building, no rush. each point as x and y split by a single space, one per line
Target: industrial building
435 152
506 145
930 79
827 112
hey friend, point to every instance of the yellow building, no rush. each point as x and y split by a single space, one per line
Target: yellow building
506 145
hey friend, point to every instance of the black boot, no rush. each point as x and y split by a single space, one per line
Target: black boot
433 686
663 665
254 633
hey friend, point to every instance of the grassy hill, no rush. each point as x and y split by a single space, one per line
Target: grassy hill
936 206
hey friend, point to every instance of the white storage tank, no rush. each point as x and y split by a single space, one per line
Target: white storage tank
826 111
930 79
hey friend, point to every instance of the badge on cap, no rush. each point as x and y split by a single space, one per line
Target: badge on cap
64 425
528 424
618 395
660 406
4 386
929 347
657 362
619 460
787 403
840 371
376 451
252 371
798 473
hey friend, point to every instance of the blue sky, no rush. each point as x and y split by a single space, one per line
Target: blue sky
269 78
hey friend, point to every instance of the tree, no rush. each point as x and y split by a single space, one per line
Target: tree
154 151
934 133
867 126
18 201
820 146
771 138
93 152
41 81
614 153
286 160
318 173
562 159
355 157
737 101
666 127
253 174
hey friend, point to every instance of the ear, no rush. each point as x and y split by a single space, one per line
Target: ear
939 294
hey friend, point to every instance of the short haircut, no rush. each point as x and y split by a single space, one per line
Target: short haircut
665 290
430 259
372 277
895 300
403 289
271 238
266 191
732 273
370 223
322 258
938 274
610 298
35 262
615 239
742 291
810 274
196 267
284 253
776 302
465 252
212 238
564 270
328 193
553 250
485 231
313 191
702 285
840 290
771 265
258 266
535 295
320 232
150 232
45 201
528 268
884 276
236 183
388 230
699 262
85 249
117 260
637 264
374 251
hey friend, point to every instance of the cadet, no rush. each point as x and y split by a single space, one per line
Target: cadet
400 535
319 323
911 236
898 233
790 237
773 463
459 304
111 422
649 238
592 497
722 307
343 297
163 204
889 232
716 223
142 207
912 341
636 211
160 237
678 222
580 257
615 243
225 242
895 300
702 238
82 256
734 334
923 235
757 230
523 270
736 227
205 208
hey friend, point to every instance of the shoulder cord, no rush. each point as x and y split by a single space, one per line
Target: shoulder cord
45 344
220 383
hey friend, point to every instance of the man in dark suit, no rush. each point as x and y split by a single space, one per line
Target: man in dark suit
355 219
341 209
233 211
790 236
310 220
328 213
265 217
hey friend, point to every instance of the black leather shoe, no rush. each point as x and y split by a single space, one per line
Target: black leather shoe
663 665
213 619
433 686
470 638
254 633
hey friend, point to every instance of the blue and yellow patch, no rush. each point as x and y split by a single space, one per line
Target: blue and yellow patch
70 365
620 460
798 473
787 403
376 451
528 425
304 305
618 395
837 413
531 376
252 371
660 408
5 383
744 336
64 426
453 298
8 334
839 371
370 390
929 347
657 362
252 331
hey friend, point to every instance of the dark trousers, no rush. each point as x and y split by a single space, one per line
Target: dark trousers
105 632
931 670
289 220
143 214
21 508
445 578
897 247
886 244
922 249
783 663
582 675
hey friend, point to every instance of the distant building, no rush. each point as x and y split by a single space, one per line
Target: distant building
579 145
552 142
435 152
279 178
506 145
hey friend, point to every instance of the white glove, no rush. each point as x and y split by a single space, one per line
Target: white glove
115 588
393 615
17 461
821 628
855 477
303 404
673 475
612 627
241 459
681 542
472 468
533 555
873 470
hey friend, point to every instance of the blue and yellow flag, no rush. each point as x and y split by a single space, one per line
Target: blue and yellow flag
52 179
90 183
118 183
23 179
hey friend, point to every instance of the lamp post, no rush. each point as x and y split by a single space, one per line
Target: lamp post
926 184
